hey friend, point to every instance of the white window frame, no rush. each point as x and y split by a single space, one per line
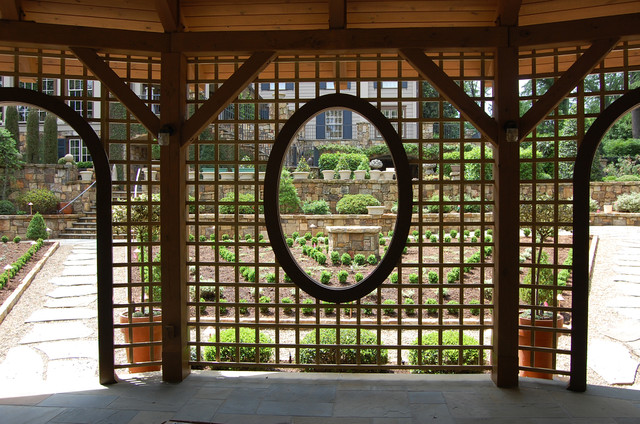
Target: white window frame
334 123
78 150
75 88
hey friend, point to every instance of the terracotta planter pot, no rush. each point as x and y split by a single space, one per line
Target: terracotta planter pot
141 334
68 209
541 339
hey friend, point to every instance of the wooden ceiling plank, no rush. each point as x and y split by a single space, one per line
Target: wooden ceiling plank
452 92
508 12
128 98
337 14
567 82
225 94
10 9
169 13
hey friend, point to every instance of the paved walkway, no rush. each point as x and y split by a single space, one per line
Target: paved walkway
58 338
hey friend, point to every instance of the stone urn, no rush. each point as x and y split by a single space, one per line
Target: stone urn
375 174
360 174
85 175
226 176
210 175
328 174
345 174
375 210
388 174
300 175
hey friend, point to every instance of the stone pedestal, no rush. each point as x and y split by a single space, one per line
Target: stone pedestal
355 239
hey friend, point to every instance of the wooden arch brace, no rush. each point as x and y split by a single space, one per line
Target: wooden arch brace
224 95
452 92
128 98
571 78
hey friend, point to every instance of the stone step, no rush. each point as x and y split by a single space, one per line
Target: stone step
76 236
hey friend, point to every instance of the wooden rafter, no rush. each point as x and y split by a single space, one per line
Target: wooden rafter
567 82
337 14
225 94
128 98
169 13
10 9
508 12
451 91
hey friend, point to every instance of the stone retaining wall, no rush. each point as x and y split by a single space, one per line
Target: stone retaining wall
16 225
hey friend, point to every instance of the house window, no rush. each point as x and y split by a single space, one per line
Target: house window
281 86
391 113
390 84
23 111
75 88
78 150
152 92
333 123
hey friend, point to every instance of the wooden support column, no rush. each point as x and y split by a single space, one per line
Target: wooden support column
175 354
507 223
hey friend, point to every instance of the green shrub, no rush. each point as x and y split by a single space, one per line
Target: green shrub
17 239
342 276
432 276
356 203
452 309
346 355
242 209
628 202
388 310
229 353
359 259
615 148
288 194
321 258
295 235
474 311
409 311
413 278
431 310
270 277
393 278
325 277
307 310
7 207
335 258
526 232
628 178
37 228
358 277
264 300
44 201
289 242
435 208
470 356
316 207
372 260
345 259
286 301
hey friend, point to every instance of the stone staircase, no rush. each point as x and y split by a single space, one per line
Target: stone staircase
83 228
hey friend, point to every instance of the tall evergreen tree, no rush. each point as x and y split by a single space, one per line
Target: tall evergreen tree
9 158
11 123
50 138
33 136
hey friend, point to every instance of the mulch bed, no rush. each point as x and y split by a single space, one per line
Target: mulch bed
11 252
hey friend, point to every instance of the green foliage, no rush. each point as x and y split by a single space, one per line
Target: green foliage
246 336
544 277
4 239
11 123
10 159
435 208
356 203
17 239
321 258
288 194
289 242
7 207
303 166
37 228
286 301
346 355
628 202
432 277
452 309
358 277
342 276
345 259
623 166
316 207
50 139
349 161
33 136
393 278
264 300
431 356
308 310
617 148
413 278
242 209
17 265
372 260
325 277
474 311
359 259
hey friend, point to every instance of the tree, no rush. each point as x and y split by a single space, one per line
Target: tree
9 157
37 228
288 194
11 123
50 139
33 136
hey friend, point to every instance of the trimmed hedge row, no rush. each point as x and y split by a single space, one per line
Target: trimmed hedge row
17 265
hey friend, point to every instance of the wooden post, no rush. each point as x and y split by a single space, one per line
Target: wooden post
175 354
507 223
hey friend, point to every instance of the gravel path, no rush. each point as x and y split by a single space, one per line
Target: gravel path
14 355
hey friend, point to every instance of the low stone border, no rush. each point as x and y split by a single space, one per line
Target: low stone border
26 282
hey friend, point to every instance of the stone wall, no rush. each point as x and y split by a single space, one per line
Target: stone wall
615 218
16 225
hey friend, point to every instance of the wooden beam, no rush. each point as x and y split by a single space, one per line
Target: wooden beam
337 14
452 92
11 9
578 31
128 98
507 225
508 12
169 13
173 233
567 82
30 34
225 94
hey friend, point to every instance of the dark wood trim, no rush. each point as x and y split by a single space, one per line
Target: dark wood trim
103 215
581 195
507 226
173 233
452 92
337 14
508 12
128 98
226 94
169 14
563 86
11 9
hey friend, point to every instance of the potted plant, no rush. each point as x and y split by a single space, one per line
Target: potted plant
375 172
343 169
363 169
246 170
302 170
540 298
